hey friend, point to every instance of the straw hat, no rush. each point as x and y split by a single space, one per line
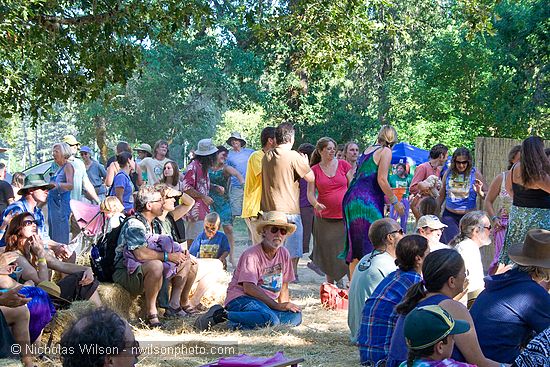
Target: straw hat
205 147
534 251
52 289
276 219
35 181
236 135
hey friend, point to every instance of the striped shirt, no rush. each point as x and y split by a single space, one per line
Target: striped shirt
379 316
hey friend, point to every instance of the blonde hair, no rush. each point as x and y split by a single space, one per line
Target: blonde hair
213 218
387 136
111 204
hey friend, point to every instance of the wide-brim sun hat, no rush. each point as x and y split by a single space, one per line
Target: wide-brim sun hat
236 135
35 181
276 219
52 289
534 251
144 147
205 147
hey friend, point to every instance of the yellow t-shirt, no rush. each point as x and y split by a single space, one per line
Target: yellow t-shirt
253 185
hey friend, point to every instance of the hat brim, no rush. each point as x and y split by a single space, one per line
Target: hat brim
208 152
290 228
515 253
460 327
24 189
243 142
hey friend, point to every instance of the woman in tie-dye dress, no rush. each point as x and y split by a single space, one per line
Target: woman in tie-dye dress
364 200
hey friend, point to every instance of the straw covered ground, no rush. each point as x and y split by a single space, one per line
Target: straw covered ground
322 339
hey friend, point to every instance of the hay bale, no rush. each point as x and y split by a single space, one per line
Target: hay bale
67 317
121 301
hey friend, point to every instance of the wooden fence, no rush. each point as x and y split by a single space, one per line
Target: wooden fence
491 158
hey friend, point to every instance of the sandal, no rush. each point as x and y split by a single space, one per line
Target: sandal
190 310
200 308
175 312
151 323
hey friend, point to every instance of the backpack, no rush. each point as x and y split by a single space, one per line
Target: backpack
103 253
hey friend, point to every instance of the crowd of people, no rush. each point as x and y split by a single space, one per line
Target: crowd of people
419 294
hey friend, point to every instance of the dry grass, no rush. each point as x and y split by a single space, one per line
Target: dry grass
322 339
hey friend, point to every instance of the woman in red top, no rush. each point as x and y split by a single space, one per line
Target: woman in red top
329 232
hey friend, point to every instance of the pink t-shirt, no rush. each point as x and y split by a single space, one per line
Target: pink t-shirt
269 274
196 179
422 172
331 190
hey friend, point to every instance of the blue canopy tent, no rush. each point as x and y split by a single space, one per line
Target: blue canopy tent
406 153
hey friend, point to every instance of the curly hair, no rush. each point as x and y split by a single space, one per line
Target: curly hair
101 328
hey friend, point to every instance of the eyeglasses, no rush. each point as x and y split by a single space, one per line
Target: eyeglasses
156 201
400 231
28 222
278 229
462 162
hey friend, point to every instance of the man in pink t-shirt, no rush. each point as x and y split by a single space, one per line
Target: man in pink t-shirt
438 157
258 294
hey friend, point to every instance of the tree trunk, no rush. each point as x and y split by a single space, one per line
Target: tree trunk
101 137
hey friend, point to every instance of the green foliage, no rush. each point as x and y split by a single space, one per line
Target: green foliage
64 50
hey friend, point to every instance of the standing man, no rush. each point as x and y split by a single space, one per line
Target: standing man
282 169
253 183
401 180
80 179
96 171
6 190
155 164
238 159
438 156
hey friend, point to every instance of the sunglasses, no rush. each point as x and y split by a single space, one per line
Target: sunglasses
28 222
278 229
400 231
488 227
462 162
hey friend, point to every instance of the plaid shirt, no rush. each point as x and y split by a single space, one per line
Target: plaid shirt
379 316
21 206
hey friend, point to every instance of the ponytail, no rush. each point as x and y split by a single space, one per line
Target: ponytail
315 157
415 293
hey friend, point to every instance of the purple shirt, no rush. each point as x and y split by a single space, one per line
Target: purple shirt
304 202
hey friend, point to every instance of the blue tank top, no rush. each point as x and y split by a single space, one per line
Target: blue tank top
461 194
398 346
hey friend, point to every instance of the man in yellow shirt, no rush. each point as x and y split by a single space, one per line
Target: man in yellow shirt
253 184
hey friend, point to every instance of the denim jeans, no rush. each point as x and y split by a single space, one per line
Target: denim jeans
247 313
405 217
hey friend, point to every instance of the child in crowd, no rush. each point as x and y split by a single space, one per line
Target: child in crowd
113 210
211 243
429 333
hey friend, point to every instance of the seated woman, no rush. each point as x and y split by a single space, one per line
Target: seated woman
513 305
37 263
444 281
211 243
14 326
258 294
379 316
40 306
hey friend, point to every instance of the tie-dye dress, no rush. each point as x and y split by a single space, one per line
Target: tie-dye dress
362 205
